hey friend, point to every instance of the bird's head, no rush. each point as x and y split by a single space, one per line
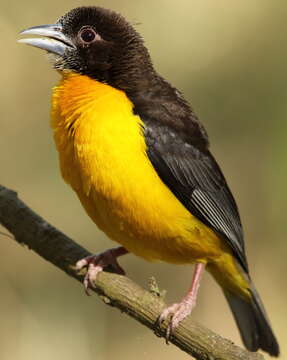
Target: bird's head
96 42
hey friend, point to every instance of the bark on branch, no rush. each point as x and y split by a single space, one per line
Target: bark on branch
118 291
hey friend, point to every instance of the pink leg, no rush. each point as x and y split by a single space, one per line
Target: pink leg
96 263
180 311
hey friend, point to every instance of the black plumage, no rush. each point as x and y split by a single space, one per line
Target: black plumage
177 143
197 181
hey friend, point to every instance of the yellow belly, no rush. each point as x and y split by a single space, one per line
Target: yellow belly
103 157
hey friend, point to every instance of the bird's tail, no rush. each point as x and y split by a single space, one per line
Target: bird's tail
245 304
252 322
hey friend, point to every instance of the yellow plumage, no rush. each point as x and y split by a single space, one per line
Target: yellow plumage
103 157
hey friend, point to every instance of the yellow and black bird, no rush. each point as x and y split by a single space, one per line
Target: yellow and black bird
138 158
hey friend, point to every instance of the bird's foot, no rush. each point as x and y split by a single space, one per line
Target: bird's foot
176 313
96 263
179 311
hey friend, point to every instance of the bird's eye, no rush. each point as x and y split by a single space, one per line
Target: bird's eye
87 35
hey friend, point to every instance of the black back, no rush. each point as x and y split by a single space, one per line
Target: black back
177 146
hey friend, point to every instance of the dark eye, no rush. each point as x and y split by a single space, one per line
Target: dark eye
87 35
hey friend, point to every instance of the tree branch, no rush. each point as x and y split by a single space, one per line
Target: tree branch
118 291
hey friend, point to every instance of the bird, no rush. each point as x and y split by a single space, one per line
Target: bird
137 156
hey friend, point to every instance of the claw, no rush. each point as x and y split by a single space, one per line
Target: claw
168 312
96 263
179 311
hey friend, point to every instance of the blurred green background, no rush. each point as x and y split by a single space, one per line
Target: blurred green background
229 58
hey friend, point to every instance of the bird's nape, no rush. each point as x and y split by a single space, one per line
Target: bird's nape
138 158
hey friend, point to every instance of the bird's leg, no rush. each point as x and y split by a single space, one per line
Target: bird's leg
96 263
181 310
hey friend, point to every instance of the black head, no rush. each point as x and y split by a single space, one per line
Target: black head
96 42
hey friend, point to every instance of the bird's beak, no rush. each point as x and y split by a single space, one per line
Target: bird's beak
54 40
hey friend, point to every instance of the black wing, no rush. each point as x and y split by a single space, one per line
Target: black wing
194 177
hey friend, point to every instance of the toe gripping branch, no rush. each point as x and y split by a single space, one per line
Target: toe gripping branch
96 263
179 311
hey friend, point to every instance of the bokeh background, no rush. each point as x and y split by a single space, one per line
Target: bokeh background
230 59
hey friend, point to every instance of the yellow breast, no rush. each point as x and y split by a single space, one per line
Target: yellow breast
103 157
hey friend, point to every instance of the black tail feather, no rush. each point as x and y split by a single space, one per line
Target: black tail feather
252 321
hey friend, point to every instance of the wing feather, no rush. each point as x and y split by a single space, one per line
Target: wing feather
195 178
